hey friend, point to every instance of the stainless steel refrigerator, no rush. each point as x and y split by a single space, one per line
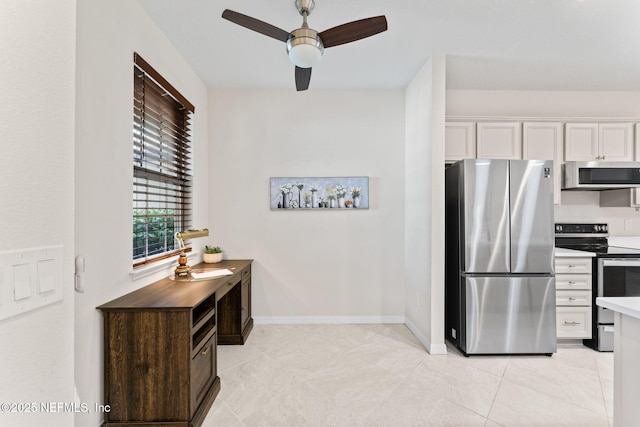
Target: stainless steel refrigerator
499 273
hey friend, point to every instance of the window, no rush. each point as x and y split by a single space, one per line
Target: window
161 164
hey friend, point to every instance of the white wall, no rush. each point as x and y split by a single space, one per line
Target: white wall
311 266
559 106
109 32
550 104
36 194
424 206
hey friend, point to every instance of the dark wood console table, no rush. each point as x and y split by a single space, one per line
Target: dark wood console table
160 346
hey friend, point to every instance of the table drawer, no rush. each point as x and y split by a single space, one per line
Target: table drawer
246 274
573 322
579 298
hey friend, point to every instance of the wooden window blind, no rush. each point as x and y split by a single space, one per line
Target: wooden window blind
162 177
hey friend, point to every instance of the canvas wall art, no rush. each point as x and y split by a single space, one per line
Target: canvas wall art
337 193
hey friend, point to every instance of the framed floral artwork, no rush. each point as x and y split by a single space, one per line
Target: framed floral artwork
337 193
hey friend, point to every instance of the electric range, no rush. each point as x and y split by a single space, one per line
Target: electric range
615 273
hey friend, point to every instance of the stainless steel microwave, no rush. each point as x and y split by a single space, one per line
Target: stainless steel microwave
600 175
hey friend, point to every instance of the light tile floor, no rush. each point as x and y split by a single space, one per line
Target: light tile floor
380 375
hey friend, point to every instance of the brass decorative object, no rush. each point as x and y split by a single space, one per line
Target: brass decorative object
183 270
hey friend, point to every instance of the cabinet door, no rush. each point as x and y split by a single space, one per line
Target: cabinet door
543 141
616 142
625 198
499 140
459 141
581 142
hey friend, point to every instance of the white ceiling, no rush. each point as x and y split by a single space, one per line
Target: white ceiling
489 44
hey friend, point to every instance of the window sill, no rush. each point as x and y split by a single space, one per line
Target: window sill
169 263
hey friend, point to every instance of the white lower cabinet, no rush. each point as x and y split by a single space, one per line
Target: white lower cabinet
573 297
573 322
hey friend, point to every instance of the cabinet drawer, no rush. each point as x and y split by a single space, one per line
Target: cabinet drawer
580 298
573 265
203 373
573 281
573 322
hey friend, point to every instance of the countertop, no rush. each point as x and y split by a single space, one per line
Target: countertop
632 242
625 305
572 253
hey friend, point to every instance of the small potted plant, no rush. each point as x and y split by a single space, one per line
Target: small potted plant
212 254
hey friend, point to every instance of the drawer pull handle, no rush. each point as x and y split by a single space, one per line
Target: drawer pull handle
572 266
571 282
572 299
205 351
571 323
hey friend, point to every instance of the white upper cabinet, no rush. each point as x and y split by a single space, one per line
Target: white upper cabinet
605 141
543 141
624 198
459 141
500 140
616 141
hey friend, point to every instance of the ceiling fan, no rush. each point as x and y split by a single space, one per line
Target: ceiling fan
305 45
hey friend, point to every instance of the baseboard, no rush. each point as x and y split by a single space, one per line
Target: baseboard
325 320
431 348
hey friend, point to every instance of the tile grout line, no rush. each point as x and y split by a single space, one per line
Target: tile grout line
493 401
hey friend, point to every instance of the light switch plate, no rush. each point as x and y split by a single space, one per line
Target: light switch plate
30 279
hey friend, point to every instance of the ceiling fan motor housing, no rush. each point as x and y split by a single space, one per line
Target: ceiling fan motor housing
304 47
305 6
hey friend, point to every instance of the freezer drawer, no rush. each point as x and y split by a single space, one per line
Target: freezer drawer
510 315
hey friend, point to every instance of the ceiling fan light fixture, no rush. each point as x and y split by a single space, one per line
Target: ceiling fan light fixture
304 47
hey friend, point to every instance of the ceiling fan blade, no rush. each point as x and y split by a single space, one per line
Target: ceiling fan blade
256 25
303 77
352 31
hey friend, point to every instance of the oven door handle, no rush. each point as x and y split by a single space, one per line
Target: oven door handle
632 262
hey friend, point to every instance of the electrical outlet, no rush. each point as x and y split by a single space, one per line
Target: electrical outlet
627 224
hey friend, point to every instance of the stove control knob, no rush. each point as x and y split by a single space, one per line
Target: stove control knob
558 228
